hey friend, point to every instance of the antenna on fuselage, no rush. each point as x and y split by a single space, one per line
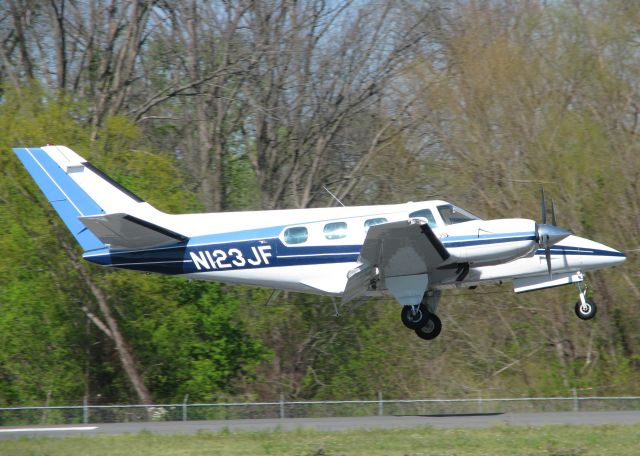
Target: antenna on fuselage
333 196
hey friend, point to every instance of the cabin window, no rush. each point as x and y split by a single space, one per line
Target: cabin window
296 235
335 230
425 213
374 221
452 215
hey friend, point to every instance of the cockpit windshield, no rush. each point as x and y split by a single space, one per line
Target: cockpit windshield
452 214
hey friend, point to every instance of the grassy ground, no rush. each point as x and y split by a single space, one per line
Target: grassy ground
500 440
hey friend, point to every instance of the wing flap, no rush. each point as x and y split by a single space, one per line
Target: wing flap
124 231
358 282
400 255
407 247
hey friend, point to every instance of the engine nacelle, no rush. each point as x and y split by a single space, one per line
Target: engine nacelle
494 240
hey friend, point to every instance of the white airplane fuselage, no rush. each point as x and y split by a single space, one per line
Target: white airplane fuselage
251 248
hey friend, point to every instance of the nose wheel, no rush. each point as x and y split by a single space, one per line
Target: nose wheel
585 308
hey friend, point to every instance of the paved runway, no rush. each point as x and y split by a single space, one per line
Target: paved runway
330 424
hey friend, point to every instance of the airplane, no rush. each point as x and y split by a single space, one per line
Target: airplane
411 251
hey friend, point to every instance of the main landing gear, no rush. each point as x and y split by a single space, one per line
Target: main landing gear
585 308
422 318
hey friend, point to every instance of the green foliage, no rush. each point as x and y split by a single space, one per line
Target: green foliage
185 336
41 330
242 186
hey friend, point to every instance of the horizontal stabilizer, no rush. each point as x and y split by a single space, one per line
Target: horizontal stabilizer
124 231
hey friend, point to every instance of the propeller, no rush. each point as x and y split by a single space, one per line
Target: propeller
548 235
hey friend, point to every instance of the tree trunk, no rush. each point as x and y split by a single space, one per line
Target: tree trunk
110 328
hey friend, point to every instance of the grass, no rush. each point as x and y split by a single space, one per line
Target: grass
499 440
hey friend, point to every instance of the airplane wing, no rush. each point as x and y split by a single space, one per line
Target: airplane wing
525 284
400 254
124 231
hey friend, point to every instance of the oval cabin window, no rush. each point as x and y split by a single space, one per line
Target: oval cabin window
296 235
335 230
374 221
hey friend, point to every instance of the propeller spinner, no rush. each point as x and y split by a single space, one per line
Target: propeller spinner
549 235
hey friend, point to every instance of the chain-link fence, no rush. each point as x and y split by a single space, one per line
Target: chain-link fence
87 413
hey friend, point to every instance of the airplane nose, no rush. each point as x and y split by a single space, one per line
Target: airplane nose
609 257
618 257
594 255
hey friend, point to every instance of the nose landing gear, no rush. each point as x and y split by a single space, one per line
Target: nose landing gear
585 308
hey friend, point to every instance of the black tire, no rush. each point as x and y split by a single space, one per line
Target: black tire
416 321
431 328
587 311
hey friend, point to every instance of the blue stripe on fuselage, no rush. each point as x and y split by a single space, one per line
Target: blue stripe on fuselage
236 236
252 254
566 250
259 251
489 236
488 239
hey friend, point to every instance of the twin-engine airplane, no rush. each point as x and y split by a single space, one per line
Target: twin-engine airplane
410 251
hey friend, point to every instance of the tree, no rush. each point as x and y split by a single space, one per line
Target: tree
80 293
532 96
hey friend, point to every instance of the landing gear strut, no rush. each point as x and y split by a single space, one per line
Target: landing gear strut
422 318
414 317
585 308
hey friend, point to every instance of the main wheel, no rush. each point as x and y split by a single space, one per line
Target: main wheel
587 310
431 328
414 320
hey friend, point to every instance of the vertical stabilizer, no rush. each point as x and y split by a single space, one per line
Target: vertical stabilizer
107 193
75 189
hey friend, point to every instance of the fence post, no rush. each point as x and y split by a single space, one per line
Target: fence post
184 407
576 400
480 408
380 404
282 415
85 409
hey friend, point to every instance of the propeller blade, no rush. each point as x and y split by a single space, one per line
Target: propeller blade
548 235
547 253
543 206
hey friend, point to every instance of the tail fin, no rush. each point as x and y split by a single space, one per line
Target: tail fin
80 194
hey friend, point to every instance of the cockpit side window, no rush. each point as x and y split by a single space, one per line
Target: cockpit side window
425 213
452 215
